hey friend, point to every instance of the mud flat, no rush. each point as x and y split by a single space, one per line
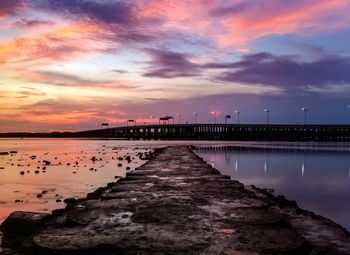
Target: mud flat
175 204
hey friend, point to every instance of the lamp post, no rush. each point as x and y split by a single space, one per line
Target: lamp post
214 114
267 116
237 112
195 117
179 117
305 111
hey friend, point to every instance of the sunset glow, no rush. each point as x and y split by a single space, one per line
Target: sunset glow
74 64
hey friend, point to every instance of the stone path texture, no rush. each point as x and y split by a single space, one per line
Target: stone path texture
175 204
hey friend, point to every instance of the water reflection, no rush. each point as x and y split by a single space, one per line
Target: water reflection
317 179
40 174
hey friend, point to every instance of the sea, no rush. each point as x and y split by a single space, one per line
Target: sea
39 174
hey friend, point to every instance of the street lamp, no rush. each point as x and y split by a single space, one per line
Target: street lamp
237 112
267 116
179 117
305 111
214 114
195 117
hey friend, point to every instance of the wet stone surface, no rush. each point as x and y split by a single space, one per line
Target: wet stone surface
176 204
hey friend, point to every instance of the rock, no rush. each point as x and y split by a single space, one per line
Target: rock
22 172
32 157
285 202
46 162
39 195
128 168
21 223
93 158
36 171
4 153
58 200
70 200
13 152
120 164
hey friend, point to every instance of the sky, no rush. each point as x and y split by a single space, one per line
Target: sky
68 65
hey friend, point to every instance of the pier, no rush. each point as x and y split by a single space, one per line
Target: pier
240 132
175 204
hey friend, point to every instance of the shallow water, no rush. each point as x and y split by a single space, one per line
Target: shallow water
18 192
28 184
317 177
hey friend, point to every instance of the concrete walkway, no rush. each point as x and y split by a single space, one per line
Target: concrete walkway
175 204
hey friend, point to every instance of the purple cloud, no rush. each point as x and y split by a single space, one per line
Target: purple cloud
109 12
286 71
25 23
231 9
168 64
10 8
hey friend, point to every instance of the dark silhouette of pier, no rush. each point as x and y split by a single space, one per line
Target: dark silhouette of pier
247 132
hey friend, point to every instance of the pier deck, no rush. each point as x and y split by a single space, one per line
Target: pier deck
175 204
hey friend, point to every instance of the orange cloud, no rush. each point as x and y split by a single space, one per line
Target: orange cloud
63 43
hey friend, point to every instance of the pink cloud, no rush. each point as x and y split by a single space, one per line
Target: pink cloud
278 17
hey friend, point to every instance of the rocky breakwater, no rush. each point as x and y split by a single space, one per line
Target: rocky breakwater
175 204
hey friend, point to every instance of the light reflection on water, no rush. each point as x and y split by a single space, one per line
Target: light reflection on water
319 180
71 173
61 180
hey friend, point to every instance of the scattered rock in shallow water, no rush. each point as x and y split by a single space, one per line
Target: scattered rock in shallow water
4 153
32 157
44 192
46 162
13 152
120 164
93 158
36 171
18 201
21 173
39 195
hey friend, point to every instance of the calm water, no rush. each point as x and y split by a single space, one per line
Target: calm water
71 173
317 176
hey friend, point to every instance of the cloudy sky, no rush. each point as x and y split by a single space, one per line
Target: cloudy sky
73 64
